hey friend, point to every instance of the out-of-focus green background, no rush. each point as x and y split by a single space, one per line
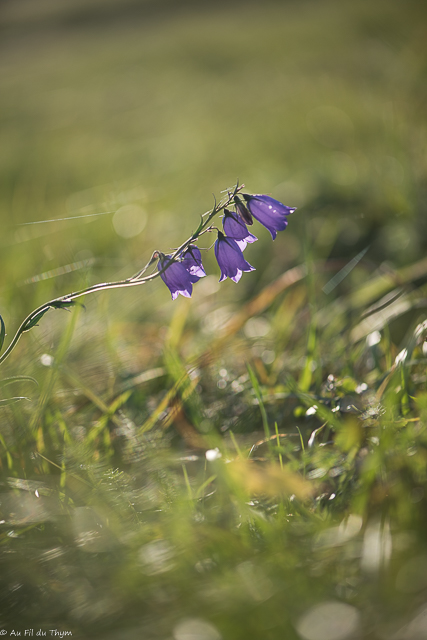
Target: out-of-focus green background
141 494
149 107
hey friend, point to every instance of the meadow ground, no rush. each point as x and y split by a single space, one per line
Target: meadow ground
250 462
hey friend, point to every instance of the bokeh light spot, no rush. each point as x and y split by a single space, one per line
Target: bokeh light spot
129 220
329 621
195 629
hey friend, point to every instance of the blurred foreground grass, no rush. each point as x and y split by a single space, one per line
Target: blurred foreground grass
250 463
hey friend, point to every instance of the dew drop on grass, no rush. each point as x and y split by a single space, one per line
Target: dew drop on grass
213 454
373 338
46 360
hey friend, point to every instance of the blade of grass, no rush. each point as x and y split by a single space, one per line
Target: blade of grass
187 482
258 395
303 449
278 444
236 446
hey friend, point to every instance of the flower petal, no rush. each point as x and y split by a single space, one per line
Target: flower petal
230 258
235 228
192 262
269 212
175 277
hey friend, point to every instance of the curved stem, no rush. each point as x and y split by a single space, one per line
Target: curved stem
135 280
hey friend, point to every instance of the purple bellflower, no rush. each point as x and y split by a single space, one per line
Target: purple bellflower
230 258
176 277
235 228
269 212
191 259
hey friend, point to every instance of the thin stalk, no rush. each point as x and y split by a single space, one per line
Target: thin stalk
65 301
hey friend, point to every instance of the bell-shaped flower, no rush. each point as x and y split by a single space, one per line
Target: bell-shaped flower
191 259
175 276
230 258
269 212
235 228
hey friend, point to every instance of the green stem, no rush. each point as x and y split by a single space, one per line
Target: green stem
133 281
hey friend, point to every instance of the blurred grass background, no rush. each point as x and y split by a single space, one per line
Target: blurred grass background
156 105
124 117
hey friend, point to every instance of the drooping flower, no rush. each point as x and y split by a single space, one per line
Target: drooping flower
235 228
176 277
242 211
230 258
269 212
191 259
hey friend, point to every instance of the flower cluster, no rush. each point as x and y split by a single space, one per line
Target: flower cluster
179 273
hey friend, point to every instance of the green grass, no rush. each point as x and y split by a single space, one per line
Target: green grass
113 521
